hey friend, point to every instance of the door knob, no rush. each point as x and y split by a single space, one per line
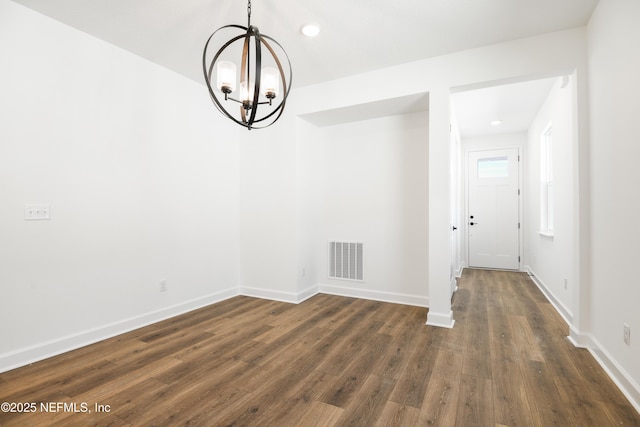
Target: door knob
454 228
473 223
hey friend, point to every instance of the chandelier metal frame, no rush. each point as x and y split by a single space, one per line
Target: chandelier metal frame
250 71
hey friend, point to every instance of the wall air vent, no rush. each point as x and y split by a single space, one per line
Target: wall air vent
345 260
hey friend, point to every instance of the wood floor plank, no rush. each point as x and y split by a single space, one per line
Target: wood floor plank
402 341
319 415
510 399
335 361
440 402
163 347
292 320
396 415
183 396
286 338
289 344
524 341
476 351
547 405
364 410
136 398
301 399
475 402
395 321
199 408
341 312
510 402
620 415
112 387
268 395
347 386
412 383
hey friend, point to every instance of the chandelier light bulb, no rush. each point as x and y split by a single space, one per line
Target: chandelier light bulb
226 78
246 92
270 82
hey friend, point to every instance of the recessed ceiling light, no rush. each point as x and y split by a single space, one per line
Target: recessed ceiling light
496 123
310 30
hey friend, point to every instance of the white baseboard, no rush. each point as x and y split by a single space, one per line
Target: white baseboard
396 298
307 293
41 351
620 377
441 320
289 297
460 270
454 286
344 291
565 312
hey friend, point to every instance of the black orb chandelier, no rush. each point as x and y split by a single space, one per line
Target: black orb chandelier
261 76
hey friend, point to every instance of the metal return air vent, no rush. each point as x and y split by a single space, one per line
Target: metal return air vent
345 260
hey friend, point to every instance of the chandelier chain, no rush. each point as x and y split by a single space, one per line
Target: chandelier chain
249 13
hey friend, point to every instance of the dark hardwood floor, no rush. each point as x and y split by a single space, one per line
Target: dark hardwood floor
332 361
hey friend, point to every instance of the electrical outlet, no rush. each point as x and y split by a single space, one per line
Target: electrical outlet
163 286
627 334
566 284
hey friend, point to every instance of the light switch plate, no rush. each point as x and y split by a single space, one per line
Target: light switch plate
37 212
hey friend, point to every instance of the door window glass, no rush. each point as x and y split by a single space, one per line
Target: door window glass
495 167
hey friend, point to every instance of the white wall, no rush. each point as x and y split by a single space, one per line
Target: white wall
141 178
614 90
268 211
550 258
310 190
374 190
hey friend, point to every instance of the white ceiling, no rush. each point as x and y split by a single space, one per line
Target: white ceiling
515 105
356 35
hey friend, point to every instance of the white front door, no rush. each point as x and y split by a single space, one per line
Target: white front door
493 221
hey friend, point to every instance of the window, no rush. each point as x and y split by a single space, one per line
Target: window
546 181
496 167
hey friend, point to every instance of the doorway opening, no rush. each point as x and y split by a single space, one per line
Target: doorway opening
495 124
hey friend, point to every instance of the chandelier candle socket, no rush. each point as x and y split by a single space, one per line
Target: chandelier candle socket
226 77
262 74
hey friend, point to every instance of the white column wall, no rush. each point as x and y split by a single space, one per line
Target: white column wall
614 89
439 196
